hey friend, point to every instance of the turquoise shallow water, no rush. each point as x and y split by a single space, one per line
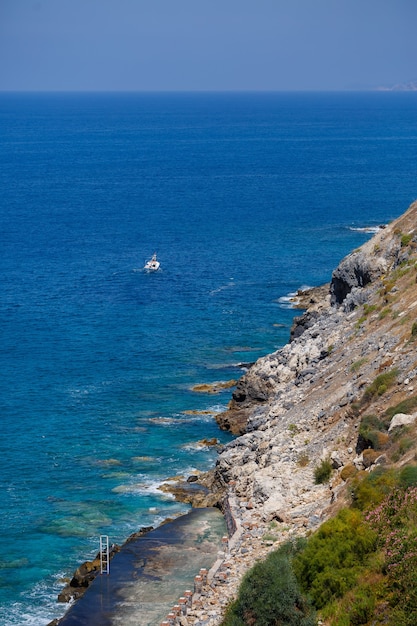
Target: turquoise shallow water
245 198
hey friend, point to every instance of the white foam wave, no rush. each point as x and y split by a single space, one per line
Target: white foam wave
222 288
144 486
43 606
367 229
289 301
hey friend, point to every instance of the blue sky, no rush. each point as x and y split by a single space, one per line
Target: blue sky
148 45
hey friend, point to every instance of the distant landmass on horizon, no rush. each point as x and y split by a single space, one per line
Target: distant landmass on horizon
410 86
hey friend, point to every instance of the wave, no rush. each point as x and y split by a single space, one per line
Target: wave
291 300
146 486
222 288
225 366
367 229
43 608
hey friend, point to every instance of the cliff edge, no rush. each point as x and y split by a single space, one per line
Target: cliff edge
303 403
338 396
351 355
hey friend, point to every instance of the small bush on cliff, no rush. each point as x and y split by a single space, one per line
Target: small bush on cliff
323 472
383 314
380 385
348 471
408 476
372 432
355 367
405 240
368 490
357 607
403 444
303 459
269 595
406 406
368 308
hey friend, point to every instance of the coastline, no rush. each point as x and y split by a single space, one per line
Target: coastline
248 538
296 407
235 557
120 349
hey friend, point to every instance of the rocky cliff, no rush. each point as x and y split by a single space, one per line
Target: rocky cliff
351 354
351 361
304 402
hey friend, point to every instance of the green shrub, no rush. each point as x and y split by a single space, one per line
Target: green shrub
380 385
334 556
373 432
368 490
406 406
293 428
368 308
358 364
405 240
414 330
395 521
269 595
362 607
371 422
405 444
383 314
408 476
323 472
360 321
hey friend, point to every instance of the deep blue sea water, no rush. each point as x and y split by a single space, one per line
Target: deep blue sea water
245 198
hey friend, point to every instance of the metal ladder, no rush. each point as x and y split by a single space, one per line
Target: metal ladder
104 555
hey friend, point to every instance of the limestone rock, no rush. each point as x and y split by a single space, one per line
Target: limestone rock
401 419
356 270
336 460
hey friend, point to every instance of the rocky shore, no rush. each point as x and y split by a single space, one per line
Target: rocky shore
300 405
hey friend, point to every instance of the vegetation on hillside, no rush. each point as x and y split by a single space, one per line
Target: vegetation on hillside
358 568
270 594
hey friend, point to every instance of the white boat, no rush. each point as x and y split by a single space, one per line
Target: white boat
152 265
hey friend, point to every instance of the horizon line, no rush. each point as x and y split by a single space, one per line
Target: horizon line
207 91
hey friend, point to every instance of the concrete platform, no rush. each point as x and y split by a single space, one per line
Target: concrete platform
150 573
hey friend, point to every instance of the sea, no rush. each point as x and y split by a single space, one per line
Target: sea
245 198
